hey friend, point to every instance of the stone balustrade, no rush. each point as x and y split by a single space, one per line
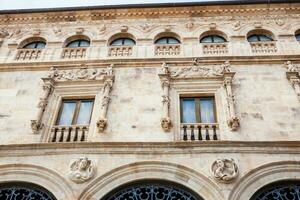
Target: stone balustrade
74 53
214 48
28 54
167 49
199 132
263 47
69 133
120 51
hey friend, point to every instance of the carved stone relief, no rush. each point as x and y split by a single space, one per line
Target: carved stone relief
224 170
81 170
293 75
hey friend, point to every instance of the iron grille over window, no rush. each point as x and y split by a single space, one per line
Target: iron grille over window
152 191
280 191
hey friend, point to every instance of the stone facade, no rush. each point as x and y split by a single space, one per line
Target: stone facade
135 131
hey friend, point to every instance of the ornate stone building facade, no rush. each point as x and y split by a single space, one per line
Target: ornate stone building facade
189 101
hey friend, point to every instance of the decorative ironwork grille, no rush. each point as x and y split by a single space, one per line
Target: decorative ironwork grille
282 191
23 193
152 192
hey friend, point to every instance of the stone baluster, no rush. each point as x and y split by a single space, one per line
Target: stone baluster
233 121
164 76
108 83
36 125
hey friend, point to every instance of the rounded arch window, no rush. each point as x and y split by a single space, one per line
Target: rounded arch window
35 45
212 39
78 43
259 38
297 35
167 40
152 190
20 191
122 42
287 190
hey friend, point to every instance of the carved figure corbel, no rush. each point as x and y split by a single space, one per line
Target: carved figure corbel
81 170
293 75
164 76
36 125
232 121
224 170
108 84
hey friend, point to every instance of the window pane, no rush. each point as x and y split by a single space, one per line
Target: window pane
207 110
40 45
298 37
67 113
264 38
117 42
85 112
173 41
188 111
84 43
161 41
218 39
207 39
73 44
253 38
30 46
128 41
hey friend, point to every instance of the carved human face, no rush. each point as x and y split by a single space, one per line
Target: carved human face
83 164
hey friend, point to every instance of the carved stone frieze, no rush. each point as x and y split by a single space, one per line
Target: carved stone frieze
82 74
293 75
224 170
81 170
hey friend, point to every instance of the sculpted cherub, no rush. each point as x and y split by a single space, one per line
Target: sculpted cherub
81 170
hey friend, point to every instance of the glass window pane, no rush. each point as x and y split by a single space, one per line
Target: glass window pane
117 42
218 39
252 38
67 113
161 41
85 112
298 37
40 45
207 110
207 39
173 41
73 44
84 43
188 111
128 41
264 38
30 46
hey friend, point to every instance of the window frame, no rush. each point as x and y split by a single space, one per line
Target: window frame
212 39
35 46
198 107
79 42
76 112
123 41
258 38
167 39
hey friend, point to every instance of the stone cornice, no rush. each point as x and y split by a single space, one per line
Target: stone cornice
132 13
233 147
146 62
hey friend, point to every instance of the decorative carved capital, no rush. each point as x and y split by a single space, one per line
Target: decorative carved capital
233 123
81 170
166 123
291 67
224 170
35 126
42 103
101 124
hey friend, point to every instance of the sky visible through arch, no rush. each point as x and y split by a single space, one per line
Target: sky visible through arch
33 4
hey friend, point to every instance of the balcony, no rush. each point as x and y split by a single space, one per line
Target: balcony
120 51
214 48
263 47
69 133
199 132
28 54
74 53
167 49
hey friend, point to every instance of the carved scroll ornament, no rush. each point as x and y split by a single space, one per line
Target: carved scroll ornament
224 170
81 170
293 75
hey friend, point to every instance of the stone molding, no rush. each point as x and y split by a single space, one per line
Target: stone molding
194 180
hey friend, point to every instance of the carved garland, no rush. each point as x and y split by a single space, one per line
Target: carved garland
293 75
196 71
82 74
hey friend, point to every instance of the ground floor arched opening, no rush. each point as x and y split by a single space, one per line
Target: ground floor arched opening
152 190
24 191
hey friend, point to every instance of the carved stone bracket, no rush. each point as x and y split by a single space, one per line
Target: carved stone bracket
232 121
81 170
224 170
164 76
36 125
108 84
293 75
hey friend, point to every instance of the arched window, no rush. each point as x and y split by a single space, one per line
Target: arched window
259 38
78 43
167 40
212 39
122 42
289 190
20 191
297 37
35 45
155 190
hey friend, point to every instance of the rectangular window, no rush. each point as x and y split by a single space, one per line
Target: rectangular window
197 110
75 112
